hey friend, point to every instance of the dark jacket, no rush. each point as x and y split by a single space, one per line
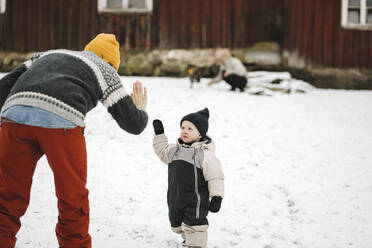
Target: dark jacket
70 84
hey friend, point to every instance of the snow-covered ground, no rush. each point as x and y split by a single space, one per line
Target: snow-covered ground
298 171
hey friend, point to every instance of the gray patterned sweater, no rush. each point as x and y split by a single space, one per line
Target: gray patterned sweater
70 84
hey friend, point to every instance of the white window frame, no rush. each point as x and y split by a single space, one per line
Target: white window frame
102 7
2 6
363 14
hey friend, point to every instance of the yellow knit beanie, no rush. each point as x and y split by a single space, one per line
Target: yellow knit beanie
106 47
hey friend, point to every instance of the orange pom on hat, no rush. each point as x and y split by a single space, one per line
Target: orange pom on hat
106 47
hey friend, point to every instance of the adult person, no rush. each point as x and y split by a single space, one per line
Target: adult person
232 71
43 106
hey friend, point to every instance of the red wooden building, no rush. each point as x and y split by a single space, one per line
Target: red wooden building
332 33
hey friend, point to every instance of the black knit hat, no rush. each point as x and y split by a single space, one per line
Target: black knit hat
200 120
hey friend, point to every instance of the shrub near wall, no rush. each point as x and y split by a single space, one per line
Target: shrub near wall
9 61
174 63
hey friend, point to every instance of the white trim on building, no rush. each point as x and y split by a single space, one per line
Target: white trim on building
124 5
356 14
2 6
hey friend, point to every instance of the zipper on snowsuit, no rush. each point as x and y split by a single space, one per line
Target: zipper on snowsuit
196 187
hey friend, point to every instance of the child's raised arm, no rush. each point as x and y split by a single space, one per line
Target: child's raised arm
160 141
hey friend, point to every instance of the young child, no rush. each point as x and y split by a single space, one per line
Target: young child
194 175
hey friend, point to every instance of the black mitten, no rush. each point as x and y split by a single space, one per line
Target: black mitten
215 204
158 126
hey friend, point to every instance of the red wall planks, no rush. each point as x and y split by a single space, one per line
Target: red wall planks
311 29
315 32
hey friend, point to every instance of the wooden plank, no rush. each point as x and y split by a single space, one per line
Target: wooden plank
329 34
144 31
47 25
324 33
224 24
237 25
215 17
245 35
286 23
351 49
39 26
357 41
241 26
188 24
369 51
132 37
308 35
315 32
164 28
154 40
348 51
211 16
148 33
336 24
140 44
5 36
61 24
173 23
261 23
195 31
1 30
340 47
19 24
299 27
182 22
30 31
293 35
219 30
53 31
127 33
136 34
229 15
364 50
13 30
281 24
89 18
83 24
205 13
71 22
338 34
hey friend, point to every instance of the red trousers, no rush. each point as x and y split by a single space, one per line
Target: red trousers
21 146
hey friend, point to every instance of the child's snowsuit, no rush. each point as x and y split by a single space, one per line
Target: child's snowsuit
194 175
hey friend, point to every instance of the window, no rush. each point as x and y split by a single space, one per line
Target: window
2 6
357 14
369 12
124 5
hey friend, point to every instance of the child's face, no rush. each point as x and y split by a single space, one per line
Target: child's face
189 133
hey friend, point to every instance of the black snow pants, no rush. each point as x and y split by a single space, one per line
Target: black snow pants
235 81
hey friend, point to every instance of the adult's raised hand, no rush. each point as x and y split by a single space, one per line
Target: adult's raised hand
139 95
